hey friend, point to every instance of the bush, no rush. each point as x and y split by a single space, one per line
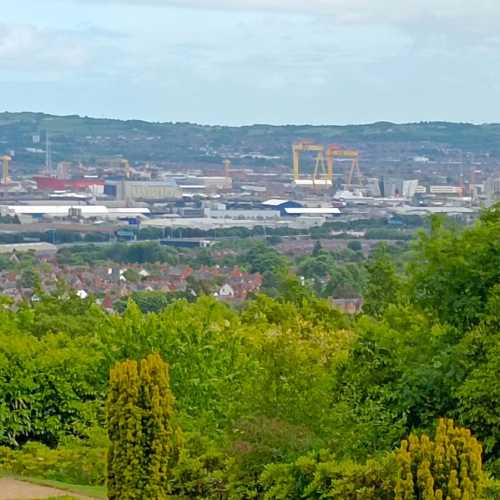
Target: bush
355 245
78 464
317 475
448 467
492 490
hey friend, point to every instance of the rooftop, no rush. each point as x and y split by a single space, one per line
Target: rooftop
313 211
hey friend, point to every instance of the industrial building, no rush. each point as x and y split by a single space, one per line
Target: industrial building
320 211
447 190
241 214
281 205
142 190
95 186
492 190
77 211
214 183
294 208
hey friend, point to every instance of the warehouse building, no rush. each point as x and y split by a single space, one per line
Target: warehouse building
142 190
76 211
280 205
315 212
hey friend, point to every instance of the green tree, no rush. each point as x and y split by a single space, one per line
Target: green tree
261 259
383 286
318 248
132 275
355 245
453 271
479 392
50 386
152 301
142 441
29 279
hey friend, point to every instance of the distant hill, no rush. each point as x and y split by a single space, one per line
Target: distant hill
84 138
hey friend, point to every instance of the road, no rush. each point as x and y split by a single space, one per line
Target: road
12 489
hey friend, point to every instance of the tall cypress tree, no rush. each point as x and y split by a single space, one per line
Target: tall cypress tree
450 467
139 409
125 432
158 436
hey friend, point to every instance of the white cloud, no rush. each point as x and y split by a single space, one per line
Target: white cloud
29 46
46 53
476 14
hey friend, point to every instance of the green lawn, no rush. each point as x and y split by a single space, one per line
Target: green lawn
90 491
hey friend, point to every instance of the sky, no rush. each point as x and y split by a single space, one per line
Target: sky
235 62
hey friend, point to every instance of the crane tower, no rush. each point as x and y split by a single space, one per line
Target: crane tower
227 168
127 170
5 168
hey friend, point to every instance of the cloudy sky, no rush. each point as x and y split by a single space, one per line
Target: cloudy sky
253 61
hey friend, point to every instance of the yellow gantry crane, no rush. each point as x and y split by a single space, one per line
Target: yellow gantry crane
320 172
336 151
5 168
325 176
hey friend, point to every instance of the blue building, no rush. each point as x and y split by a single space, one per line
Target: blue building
281 205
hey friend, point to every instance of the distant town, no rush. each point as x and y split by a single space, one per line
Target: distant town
61 187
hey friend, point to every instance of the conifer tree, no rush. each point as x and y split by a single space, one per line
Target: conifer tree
449 467
125 432
139 410
158 440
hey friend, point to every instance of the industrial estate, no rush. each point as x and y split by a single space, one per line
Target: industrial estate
309 183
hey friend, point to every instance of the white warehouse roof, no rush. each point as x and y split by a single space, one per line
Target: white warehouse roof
313 211
311 182
274 202
86 210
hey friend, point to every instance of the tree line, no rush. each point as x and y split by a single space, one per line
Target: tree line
284 398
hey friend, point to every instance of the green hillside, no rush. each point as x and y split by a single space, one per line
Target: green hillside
84 138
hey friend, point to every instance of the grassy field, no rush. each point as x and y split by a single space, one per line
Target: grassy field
90 491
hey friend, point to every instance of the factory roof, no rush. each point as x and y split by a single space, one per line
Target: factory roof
63 210
313 211
274 202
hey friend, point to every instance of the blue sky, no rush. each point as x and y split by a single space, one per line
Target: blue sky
253 61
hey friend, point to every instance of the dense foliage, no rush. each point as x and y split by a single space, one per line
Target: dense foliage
286 397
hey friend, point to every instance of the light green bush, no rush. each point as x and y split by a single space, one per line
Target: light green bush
76 464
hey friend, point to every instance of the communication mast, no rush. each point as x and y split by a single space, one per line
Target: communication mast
48 154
